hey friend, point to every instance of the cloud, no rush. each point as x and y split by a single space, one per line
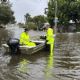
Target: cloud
33 7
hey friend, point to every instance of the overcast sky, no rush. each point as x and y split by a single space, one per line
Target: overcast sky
33 7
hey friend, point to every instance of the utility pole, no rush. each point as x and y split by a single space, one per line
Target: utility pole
56 19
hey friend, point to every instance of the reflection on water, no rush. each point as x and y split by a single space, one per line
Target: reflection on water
22 66
62 64
49 66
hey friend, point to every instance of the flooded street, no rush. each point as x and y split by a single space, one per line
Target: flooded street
63 64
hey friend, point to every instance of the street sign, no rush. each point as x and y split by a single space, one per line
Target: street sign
55 20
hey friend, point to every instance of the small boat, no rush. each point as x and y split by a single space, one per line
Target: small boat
27 49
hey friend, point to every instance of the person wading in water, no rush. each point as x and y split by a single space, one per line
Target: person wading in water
49 37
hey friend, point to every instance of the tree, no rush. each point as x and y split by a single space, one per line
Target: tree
31 25
28 18
6 14
39 20
67 10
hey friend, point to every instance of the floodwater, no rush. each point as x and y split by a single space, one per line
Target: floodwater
63 64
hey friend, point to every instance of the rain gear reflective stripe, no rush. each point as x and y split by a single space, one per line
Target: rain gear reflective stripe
25 39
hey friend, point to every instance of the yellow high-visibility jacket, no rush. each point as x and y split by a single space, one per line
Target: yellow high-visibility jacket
25 39
49 36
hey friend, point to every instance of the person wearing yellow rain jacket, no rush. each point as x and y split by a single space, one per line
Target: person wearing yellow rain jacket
50 38
25 39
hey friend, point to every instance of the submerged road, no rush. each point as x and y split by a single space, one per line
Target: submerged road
63 64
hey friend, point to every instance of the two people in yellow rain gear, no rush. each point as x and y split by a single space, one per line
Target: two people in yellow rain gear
25 39
50 37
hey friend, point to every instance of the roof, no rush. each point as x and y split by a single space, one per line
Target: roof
46 25
71 21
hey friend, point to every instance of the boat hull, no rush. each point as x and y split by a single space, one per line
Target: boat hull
26 49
